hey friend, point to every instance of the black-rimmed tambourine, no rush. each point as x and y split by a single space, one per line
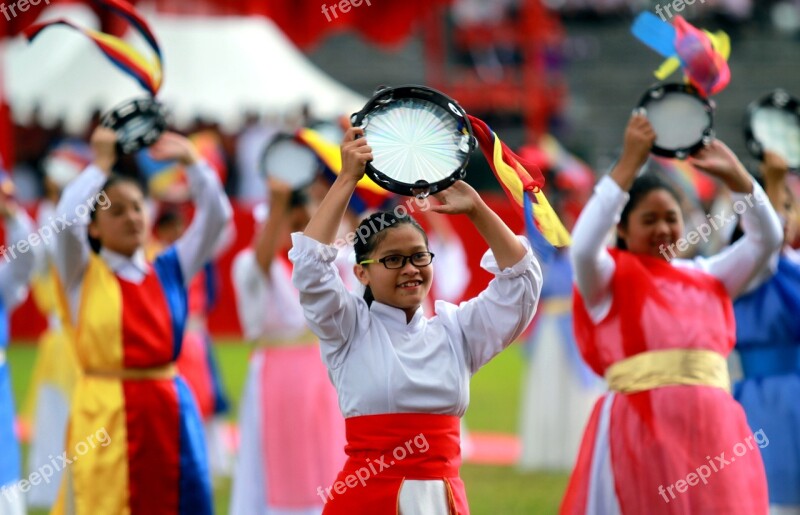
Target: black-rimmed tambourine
138 123
290 161
773 123
683 120
421 140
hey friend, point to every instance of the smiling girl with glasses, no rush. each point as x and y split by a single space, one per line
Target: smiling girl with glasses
398 374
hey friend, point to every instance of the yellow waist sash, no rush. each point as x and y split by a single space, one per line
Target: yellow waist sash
136 374
671 367
556 306
306 338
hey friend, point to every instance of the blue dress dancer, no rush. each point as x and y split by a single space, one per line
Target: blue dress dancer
16 268
768 343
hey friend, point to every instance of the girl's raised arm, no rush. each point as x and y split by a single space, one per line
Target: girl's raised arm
212 208
71 252
592 264
324 224
331 311
763 235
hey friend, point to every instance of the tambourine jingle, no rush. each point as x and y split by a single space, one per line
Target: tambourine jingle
135 132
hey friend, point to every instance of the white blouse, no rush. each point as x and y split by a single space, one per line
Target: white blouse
735 266
268 306
381 364
194 248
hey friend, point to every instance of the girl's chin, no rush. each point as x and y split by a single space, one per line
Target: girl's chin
409 301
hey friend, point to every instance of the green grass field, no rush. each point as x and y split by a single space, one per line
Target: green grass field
495 397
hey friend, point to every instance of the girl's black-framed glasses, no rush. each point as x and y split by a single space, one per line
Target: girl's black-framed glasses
395 261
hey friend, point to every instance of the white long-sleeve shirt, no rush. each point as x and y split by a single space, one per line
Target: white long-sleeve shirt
268 306
194 247
734 266
379 363
16 267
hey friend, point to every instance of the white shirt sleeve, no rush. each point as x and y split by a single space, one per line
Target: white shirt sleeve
593 265
739 263
212 213
330 310
498 315
16 267
248 285
72 248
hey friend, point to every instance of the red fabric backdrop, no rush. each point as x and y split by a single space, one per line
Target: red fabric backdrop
27 323
384 22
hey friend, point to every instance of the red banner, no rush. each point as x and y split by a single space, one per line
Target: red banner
305 22
6 130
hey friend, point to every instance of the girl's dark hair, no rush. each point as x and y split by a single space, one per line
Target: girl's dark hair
643 185
112 181
372 231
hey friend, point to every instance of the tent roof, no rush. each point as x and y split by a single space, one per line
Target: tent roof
215 69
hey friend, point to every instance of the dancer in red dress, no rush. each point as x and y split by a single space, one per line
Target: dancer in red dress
668 438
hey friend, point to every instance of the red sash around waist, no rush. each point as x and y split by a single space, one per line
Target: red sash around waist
384 450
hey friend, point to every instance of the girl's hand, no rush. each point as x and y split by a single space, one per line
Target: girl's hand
8 208
717 160
104 146
460 198
278 187
774 167
355 154
174 147
280 193
638 140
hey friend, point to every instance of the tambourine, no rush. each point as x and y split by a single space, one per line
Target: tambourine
682 119
290 161
138 123
773 123
421 140
331 130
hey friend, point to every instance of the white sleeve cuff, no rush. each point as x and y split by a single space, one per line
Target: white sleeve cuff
306 247
489 263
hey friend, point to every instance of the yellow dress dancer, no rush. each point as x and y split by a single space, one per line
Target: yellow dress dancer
135 439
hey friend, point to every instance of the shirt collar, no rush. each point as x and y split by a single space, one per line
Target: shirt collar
117 261
396 316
